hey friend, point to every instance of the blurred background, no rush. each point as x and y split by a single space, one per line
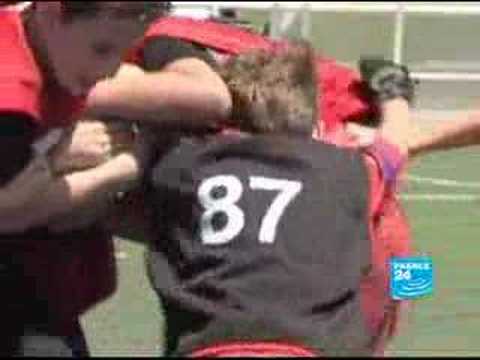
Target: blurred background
437 40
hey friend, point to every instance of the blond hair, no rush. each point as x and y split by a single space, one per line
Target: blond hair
273 92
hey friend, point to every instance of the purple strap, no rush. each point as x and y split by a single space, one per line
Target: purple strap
389 158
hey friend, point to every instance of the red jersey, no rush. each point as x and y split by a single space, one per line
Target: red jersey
21 84
75 270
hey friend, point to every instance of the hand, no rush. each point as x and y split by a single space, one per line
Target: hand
118 175
25 187
90 144
125 171
386 80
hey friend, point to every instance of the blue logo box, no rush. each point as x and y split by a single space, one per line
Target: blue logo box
411 277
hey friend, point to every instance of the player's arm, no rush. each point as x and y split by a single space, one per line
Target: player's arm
448 135
80 197
128 170
21 177
176 85
396 126
131 216
90 194
32 196
387 156
89 144
393 90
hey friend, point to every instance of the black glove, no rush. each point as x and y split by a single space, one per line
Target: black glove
385 80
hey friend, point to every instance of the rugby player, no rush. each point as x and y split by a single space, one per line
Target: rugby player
263 236
193 50
52 54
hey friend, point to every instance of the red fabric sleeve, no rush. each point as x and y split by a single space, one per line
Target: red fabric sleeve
390 236
377 185
18 97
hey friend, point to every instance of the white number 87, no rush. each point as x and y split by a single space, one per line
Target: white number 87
229 192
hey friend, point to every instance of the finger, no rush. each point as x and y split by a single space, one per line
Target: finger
106 148
91 126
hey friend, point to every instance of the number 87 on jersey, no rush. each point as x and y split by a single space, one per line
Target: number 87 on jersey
219 197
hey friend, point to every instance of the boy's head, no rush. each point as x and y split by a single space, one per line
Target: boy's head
273 92
85 42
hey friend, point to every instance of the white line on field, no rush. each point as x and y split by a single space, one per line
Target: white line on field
443 182
440 197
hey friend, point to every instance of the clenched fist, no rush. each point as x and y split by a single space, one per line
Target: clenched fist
90 144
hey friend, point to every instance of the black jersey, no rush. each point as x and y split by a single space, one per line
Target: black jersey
261 238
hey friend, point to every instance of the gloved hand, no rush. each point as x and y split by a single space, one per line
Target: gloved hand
385 80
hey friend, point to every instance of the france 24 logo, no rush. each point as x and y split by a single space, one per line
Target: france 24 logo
411 277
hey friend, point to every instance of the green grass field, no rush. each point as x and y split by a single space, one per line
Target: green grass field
445 220
447 323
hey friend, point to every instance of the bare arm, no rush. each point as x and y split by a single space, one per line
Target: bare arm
21 179
187 92
41 194
448 135
33 180
90 144
391 87
175 84
89 205
397 125
81 195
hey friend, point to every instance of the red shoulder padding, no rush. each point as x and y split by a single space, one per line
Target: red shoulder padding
214 35
22 87
20 80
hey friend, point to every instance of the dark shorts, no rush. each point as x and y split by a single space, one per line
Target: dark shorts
28 327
